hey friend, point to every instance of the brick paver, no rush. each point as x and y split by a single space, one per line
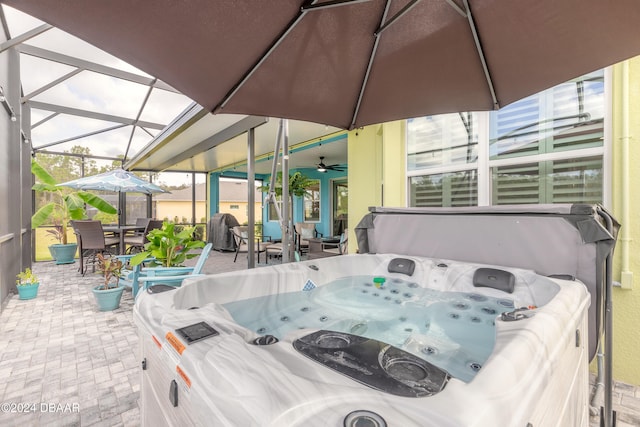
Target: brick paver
66 363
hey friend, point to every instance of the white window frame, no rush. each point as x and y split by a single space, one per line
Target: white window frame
484 164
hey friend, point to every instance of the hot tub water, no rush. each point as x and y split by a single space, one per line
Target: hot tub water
454 331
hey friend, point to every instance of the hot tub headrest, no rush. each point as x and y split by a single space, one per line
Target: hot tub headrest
494 278
402 265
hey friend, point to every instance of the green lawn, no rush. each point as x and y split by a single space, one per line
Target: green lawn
43 240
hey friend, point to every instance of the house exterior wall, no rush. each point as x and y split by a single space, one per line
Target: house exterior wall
377 177
377 171
364 174
171 208
626 301
180 208
271 226
240 213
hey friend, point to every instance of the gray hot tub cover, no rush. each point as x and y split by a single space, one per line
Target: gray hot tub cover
572 240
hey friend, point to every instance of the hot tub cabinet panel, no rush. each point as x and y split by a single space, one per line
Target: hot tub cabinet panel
535 371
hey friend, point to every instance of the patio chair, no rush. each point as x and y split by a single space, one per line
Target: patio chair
274 250
240 235
140 277
91 241
338 248
136 242
142 223
303 232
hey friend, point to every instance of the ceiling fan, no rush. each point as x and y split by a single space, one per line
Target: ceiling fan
323 168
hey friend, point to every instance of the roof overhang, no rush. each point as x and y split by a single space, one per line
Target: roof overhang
198 141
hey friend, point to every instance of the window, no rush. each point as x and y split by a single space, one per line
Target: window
234 207
446 139
546 148
312 203
273 214
563 181
447 189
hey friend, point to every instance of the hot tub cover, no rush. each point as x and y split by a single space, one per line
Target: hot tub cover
560 239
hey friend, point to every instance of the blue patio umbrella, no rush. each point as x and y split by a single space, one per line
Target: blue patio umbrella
118 180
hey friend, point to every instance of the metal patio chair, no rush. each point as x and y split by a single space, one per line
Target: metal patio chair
91 241
338 248
303 232
242 246
136 241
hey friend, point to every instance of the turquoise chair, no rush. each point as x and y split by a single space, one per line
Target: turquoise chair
142 277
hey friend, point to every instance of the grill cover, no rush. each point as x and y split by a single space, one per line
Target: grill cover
219 232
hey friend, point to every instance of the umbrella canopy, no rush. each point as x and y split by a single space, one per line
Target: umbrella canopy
116 180
352 63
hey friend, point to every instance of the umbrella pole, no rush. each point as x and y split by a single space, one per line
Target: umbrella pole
286 240
122 208
271 196
282 140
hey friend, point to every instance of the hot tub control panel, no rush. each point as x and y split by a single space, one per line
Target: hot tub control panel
196 332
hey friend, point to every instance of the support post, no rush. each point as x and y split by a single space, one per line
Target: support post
251 197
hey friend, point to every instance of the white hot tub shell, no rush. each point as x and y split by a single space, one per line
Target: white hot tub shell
536 373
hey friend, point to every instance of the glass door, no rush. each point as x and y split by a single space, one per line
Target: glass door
340 206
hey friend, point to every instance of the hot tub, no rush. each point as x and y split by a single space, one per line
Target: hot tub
391 339
426 348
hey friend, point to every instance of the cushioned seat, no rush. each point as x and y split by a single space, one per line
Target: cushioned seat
337 248
137 241
304 231
241 236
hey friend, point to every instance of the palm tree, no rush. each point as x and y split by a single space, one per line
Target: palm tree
67 205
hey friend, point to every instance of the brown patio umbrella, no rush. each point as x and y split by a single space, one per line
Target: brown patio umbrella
352 63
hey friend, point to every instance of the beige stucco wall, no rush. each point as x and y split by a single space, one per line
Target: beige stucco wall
377 162
241 212
364 152
626 302
170 209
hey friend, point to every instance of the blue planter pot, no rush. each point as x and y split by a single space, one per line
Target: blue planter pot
108 299
28 291
64 254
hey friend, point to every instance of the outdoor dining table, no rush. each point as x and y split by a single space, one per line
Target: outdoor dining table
121 230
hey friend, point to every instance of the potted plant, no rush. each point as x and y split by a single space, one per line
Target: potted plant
66 205
109 293
168 246
27 284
